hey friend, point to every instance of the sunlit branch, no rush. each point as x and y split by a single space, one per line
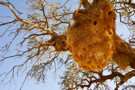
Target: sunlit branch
79 6
14 7
25 21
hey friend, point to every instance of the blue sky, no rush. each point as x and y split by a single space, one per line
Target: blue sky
52 80
51 83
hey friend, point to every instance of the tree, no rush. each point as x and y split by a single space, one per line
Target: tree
43 35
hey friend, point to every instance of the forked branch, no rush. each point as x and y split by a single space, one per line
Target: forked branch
25 21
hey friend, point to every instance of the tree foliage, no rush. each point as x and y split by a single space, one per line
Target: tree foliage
34 36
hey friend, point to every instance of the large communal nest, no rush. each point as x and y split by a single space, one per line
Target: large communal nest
92 39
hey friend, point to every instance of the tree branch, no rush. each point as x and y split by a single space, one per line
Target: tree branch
25 21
